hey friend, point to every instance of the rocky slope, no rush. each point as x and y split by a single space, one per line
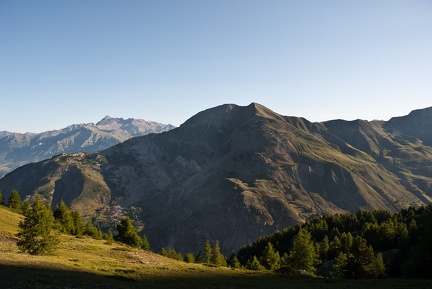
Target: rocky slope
235 173
18 149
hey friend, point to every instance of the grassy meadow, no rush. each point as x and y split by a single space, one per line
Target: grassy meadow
89 263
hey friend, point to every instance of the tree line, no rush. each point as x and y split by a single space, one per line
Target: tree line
365 244
39 231
361 245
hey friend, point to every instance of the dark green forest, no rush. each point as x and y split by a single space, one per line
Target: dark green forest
366 244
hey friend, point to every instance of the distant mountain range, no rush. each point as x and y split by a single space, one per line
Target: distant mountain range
235 173
17 149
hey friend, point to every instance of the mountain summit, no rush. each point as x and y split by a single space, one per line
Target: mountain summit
18 149
235 173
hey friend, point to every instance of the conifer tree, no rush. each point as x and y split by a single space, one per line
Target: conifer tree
92 231
164 252
339 265
78 223
254 264
234 262
64 218
36 234
109 237
334 248
285 261
14 200
302 255
346 240
216 256
189 258
361 261
208 251
269 258
2 203
199 258
172 253
128 234
324 248
379 266
25 207
145 245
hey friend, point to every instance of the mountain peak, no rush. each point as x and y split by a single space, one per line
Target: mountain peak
226 113
417 123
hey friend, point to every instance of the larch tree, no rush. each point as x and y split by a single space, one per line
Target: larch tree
14 200
254 264
302 255
270 259
361 262
234 262
128 234
64 218
1 199
208 251
36 233
25 207
78 223
216 256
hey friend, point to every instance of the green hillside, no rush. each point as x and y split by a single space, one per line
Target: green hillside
89 263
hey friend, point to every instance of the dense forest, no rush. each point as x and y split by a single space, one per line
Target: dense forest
366 244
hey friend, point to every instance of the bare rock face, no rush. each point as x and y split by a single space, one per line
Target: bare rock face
235 173
18 149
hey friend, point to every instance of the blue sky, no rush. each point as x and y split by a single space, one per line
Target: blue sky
65 62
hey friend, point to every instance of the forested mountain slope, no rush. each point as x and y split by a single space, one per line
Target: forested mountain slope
234 173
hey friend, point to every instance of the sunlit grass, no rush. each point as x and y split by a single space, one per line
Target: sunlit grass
88 263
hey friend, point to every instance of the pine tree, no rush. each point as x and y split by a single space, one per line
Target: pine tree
216 256
324 248
346 240
128 234
285 260
339 266
269 258
145 245
234 262
109 237
172 253
189 258
90 230
254 264
2 203
361 260
15 200
64 218
302 255
379 266
208 251
199 258
78 223
25 207
164 252
334 248
36 234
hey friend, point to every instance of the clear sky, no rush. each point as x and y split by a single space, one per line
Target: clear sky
64 62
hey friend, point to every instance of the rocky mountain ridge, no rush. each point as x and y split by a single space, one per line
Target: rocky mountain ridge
17 149
235 173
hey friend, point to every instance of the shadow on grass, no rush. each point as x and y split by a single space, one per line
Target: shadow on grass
20 277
